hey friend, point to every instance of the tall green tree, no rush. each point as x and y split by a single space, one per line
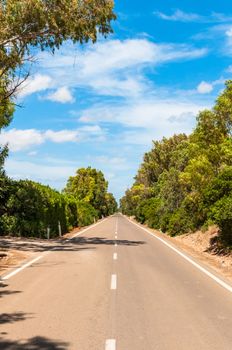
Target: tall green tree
189 178
89 186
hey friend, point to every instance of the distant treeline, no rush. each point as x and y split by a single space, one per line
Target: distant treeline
185 182
30 209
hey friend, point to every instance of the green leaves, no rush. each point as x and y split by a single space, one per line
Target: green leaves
90 186
30 25
189 178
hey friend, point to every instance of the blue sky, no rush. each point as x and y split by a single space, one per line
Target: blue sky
102 105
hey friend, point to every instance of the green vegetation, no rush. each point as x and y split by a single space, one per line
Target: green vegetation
185 182
26 27
89 188
44 25
30 209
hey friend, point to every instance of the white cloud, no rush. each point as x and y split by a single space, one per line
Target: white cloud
180 16
40 172
204 88
229 32
113 67
20 140
207 87
144 113
32 153
222 35
229 69
113 162
62 95
61 136
146 119
35 84
228 41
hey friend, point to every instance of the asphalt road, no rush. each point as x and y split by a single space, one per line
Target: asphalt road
114 287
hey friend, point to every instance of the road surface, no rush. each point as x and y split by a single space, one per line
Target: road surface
114 287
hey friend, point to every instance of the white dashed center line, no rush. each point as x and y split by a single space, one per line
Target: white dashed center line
113 282
110 344
115 256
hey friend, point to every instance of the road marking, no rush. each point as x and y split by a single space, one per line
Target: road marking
17 270
21 268
113 282
86 229
115 256
116 237
110 344
116 232
115 244
202 269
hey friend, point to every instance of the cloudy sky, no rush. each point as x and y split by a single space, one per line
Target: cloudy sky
102 105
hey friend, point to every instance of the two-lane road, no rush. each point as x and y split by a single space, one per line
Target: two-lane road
114 287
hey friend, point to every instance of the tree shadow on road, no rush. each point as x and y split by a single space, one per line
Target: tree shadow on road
35 343
63 245
13 317
30 246
4 291
104 241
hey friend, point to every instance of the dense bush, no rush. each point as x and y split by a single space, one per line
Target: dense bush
33 208
30 209
185 182
218 196
86 214
222 215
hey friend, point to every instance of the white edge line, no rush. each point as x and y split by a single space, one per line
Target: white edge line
113 285
209 274
24 266
29 263
86 229
110 344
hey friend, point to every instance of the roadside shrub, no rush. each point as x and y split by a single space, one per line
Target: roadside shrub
149 212
32 208
222 214
179 222
86 214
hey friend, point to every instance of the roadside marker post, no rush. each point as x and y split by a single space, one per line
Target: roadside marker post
48 232
59 229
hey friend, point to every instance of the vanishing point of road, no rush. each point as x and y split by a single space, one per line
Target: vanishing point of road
115 287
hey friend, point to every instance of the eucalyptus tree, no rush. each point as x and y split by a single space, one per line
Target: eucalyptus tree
27 26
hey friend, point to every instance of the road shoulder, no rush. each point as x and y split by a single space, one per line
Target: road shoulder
196 245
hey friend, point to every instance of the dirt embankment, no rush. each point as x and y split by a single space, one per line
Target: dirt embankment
204 245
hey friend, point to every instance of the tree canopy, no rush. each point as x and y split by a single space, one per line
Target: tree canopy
89 185
29 209
184 182
26 25
30 25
